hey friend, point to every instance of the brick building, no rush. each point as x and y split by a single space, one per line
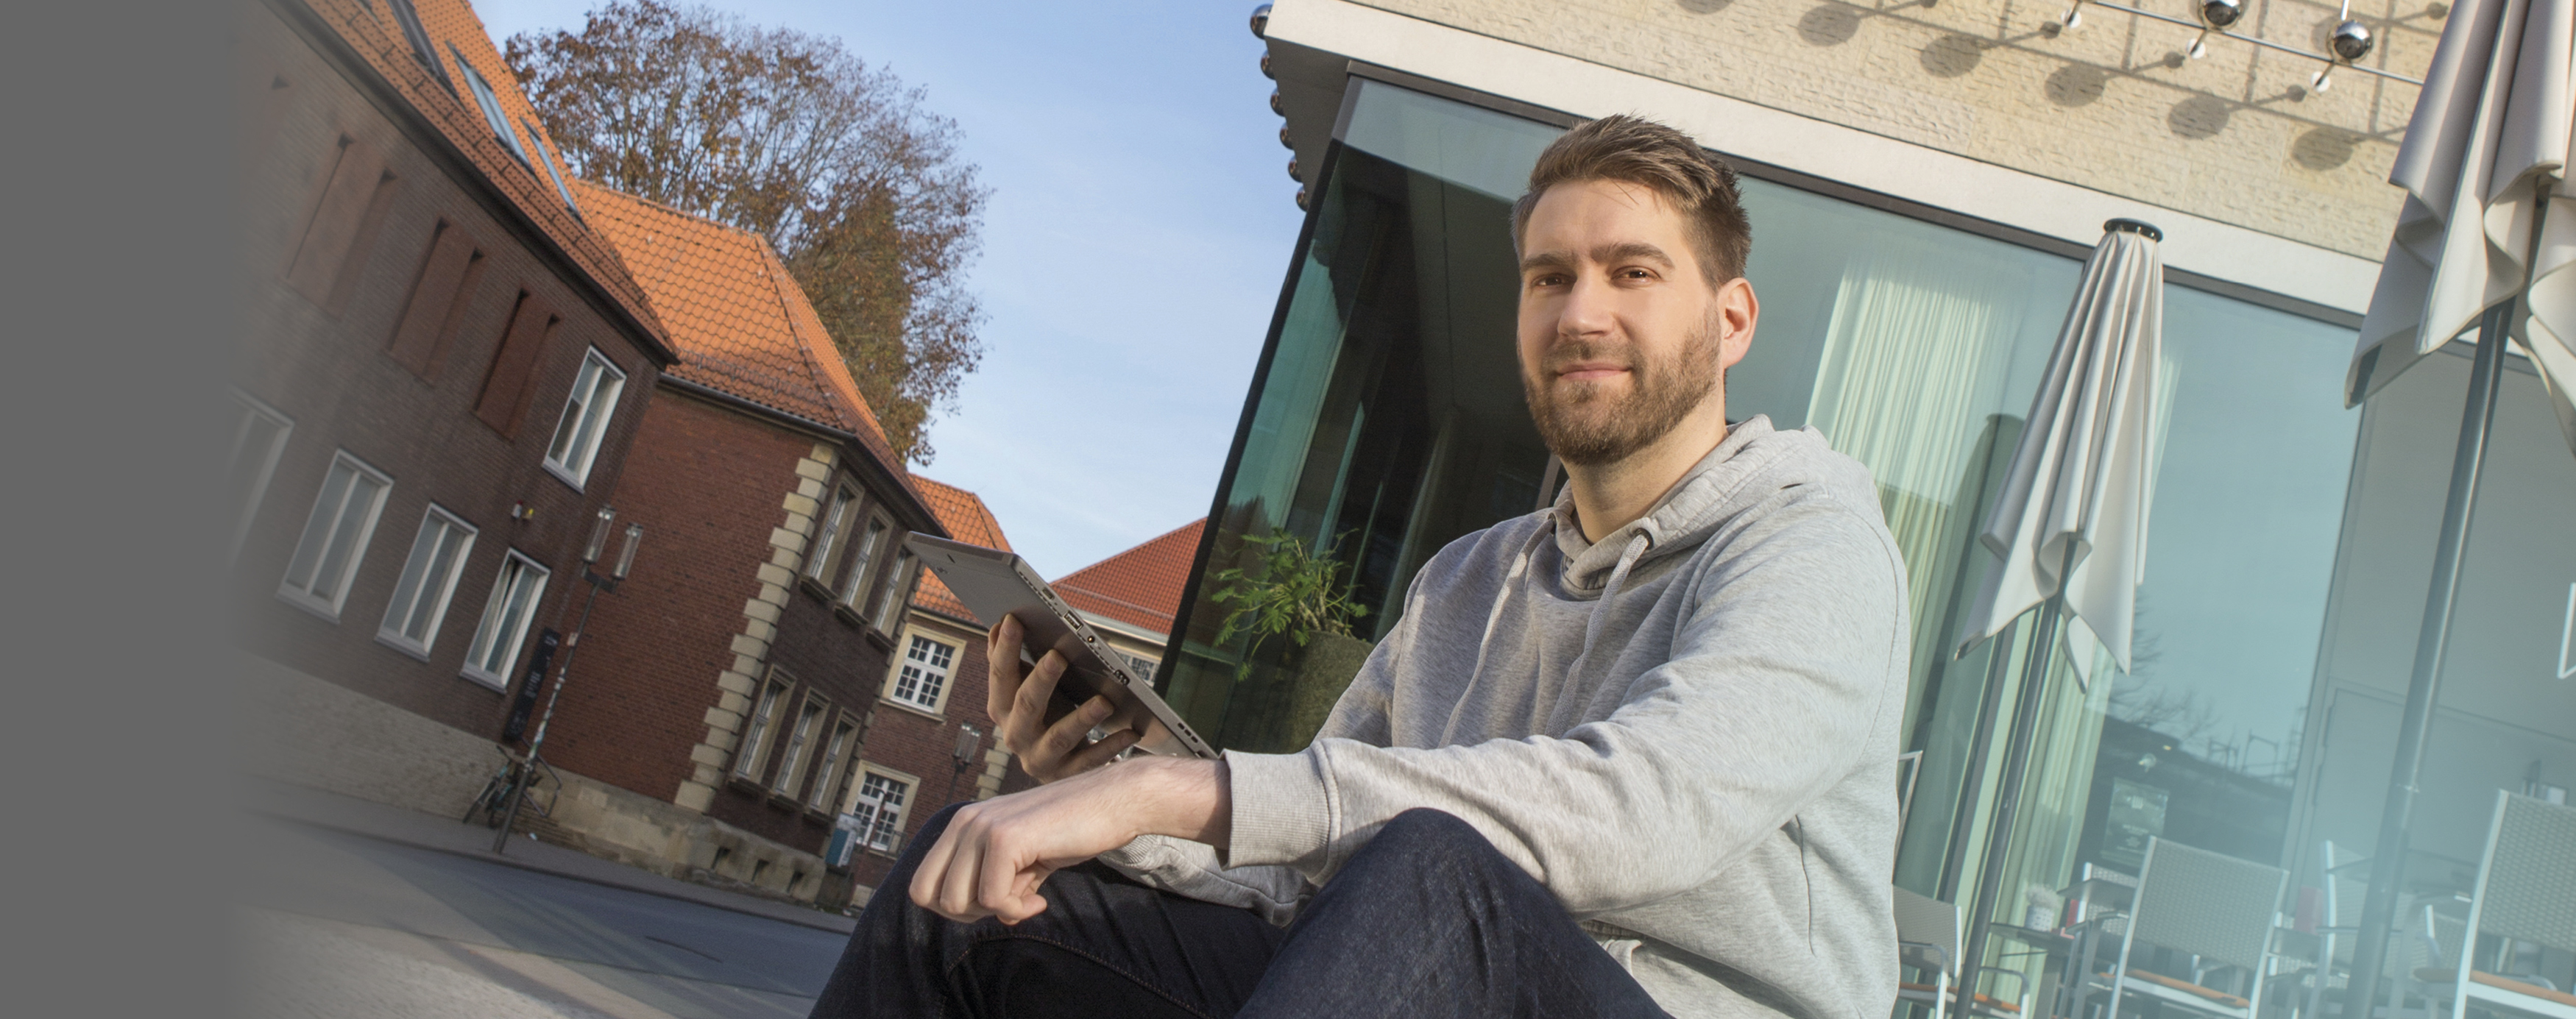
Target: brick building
722 692
444 370
930 730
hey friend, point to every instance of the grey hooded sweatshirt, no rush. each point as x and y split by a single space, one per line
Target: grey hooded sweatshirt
1687 732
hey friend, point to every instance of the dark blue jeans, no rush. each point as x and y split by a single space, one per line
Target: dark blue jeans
1426 920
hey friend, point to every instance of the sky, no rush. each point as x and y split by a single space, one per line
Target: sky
1141 222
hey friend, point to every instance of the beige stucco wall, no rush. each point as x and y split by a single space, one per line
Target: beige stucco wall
2113 105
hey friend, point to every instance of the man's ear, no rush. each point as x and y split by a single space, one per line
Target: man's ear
1737 312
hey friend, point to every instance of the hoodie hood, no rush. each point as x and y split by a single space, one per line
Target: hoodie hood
1753 461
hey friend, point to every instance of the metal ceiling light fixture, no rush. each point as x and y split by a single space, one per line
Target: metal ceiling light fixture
1292 171
2215 16
2346 45
1274 103
1266 72
2351 42
1261 22
1286 142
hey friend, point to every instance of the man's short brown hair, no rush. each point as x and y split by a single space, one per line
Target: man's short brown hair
1650 155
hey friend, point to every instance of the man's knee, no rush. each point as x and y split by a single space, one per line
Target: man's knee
1425 830
1424 841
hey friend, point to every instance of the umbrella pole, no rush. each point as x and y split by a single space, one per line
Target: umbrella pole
2387 863
2034 681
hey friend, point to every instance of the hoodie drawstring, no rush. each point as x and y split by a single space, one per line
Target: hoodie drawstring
1601 609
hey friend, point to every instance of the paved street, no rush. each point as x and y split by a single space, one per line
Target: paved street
343 926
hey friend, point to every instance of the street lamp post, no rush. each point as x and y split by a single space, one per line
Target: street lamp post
537 742
969 739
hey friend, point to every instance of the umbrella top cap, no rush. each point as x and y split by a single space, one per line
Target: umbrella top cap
2136 226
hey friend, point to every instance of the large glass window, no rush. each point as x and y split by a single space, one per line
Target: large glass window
2505 717
1388 419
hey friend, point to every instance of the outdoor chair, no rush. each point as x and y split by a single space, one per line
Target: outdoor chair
2526 893
1927 939
2345 877
2218 910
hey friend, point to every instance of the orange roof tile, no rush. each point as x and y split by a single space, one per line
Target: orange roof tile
967 519
1140 586
739 321
453 28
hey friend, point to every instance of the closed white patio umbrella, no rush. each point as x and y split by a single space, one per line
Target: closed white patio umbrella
2069 523
2487 237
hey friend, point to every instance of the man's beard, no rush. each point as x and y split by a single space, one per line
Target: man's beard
1586 427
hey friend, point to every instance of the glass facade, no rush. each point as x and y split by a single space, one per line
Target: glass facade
1386 420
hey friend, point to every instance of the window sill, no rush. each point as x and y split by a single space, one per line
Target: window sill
805 582
563 475
497 684
911 708
320 609
408 649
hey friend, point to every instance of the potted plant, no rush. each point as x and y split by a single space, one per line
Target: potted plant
1300 595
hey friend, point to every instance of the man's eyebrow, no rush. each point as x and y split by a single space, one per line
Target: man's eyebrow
1631 251
1547 260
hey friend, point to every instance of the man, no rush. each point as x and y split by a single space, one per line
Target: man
1632 755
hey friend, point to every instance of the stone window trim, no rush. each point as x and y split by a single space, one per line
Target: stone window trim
829 791
923 672
760 726
800 739
884 821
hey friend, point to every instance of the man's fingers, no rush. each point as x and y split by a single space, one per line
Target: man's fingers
1024 901
1028 710
1103 752
1001 667
1068 732
957 885
996 883
927 878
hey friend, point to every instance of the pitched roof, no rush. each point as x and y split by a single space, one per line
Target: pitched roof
967 519
1140 586
452 28
737 318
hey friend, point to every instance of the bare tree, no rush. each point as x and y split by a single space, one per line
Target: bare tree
840 165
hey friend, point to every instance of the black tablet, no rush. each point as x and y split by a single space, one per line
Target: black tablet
994 583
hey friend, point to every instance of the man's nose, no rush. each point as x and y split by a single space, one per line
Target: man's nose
1587 308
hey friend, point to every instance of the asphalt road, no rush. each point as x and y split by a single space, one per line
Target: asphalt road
347 927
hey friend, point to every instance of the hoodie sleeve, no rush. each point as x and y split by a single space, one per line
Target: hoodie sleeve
1776 679
1276 892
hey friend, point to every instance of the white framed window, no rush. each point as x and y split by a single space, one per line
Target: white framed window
755 732
879 809
585 418
428 581
898 591
335 536
921 677
828 783
800 736
504 627
836 525
491 104
863 557
259 438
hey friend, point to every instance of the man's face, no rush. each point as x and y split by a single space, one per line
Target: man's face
1621 337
